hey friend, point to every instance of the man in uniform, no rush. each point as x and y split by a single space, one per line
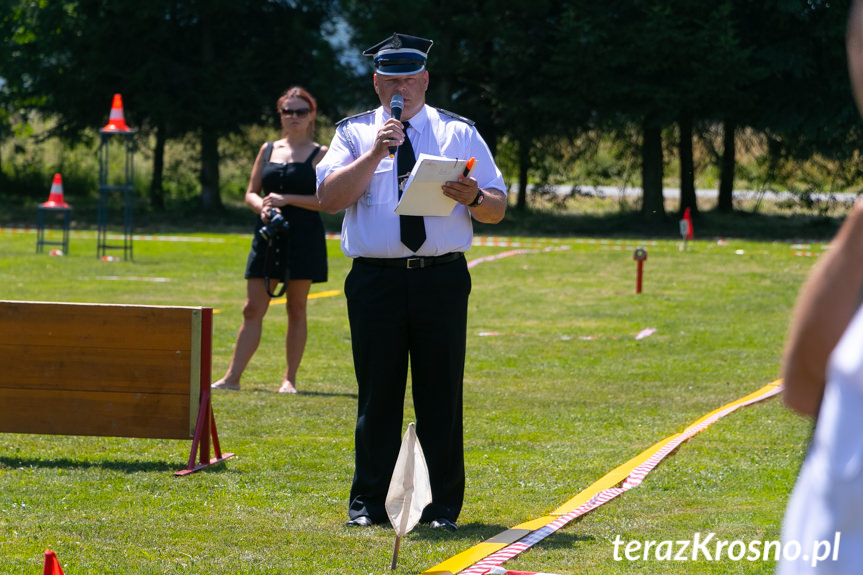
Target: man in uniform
407 291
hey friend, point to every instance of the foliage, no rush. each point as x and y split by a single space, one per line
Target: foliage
804 100
217 66
553 83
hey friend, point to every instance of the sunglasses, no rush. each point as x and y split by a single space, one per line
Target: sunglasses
300 113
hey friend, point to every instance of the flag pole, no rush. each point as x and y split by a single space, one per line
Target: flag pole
396 553
409 491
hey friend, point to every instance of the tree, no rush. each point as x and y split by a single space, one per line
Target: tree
725 200
807 106
707 59
524 77
205 66
486 62
644 94
679 59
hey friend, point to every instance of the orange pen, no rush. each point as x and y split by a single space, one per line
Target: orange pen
468 167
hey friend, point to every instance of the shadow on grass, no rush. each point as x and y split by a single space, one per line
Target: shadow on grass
302 392
123 466
706 225
488 533
585 217
328 394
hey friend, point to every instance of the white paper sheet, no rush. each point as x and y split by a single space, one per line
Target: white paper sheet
423 195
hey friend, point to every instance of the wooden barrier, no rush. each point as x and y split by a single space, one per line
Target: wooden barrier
109 370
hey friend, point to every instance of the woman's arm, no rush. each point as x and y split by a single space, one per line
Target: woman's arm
299 200
253 190
308 202
827 302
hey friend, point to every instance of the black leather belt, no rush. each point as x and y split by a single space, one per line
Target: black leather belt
413 263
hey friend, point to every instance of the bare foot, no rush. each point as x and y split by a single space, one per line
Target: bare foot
225 384
287 387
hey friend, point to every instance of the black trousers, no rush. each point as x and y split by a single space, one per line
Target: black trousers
398 316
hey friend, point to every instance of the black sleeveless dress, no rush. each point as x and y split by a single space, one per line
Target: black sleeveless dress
300 252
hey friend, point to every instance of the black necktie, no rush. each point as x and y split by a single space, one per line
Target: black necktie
413 229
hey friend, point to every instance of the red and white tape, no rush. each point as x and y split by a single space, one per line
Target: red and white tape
484 259
634 479
499 571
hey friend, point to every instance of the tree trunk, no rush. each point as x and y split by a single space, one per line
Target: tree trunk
651 172
210 198
157 193
687 166
209 177
523 166
726 178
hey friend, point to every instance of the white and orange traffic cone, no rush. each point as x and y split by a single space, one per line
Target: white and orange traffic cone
55 199
116 122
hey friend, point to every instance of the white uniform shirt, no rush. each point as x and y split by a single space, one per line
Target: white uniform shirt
371 227
828 495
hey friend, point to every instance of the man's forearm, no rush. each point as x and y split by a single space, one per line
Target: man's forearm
346 185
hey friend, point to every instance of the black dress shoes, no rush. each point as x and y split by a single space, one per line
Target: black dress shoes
443 523
360 521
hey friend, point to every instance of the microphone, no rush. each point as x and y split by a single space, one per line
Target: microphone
397 104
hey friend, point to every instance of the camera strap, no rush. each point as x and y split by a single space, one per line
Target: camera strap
270 293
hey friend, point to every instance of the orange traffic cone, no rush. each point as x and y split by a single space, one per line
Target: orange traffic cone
116 122
687 217
52 565
55 199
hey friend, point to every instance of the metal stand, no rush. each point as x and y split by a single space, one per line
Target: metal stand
105 189
205 427
66 214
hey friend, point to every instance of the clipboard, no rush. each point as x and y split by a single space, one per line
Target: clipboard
423 195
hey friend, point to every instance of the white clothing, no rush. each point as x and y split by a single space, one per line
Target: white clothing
828 496
371 227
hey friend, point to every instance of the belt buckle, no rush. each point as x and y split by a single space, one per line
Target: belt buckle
415 263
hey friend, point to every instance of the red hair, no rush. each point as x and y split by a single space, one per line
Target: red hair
302 93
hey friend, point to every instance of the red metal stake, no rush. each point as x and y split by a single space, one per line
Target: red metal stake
639 256
205 427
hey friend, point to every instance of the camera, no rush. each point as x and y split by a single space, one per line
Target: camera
276 225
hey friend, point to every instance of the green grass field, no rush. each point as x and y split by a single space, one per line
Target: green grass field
558 391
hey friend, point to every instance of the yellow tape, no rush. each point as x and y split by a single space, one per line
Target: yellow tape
482 550
328 293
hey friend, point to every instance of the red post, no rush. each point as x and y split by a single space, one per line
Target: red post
639 256
205 427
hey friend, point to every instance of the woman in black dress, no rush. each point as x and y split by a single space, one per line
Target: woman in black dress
283 178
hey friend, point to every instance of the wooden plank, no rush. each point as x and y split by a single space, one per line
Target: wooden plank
90 413
100 369
201 361
95 325
96 369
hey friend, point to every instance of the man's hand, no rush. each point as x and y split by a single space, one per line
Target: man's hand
464 190
391 134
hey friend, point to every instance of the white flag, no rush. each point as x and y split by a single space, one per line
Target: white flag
409 491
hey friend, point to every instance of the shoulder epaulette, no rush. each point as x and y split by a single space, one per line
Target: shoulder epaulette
343 120
456 116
